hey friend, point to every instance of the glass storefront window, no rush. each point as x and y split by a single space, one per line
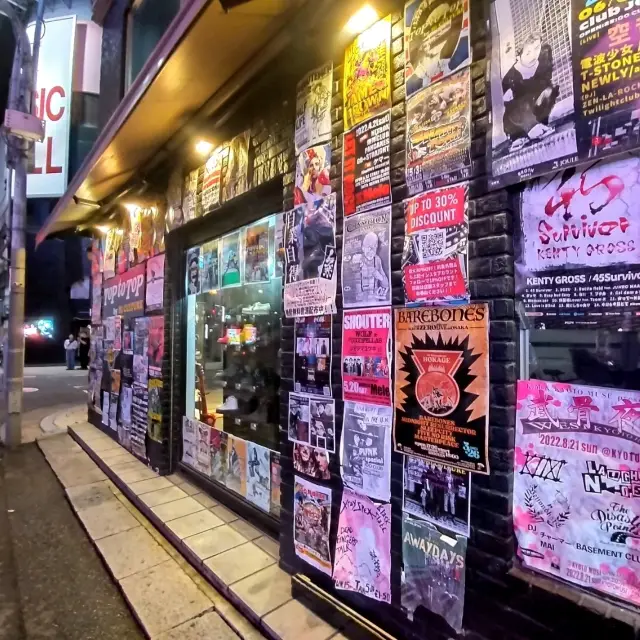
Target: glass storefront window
234 289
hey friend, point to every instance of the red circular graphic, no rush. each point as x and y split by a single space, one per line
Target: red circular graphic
437 393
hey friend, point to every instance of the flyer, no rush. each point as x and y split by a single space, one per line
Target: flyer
276 481
190 196
141 336
312 174
211 179
112 242
310 253
366 259
312 523
313 107
126 398
365 449
312 360
203 448
442 385
366 165
312 421
256 253
127 342
140 369
236 175
366 356
436 41
259 476
236 465
155 398
435 255
115 381
438 142
117 333
311 462
367 74
96 298
577 250
124 436
210 274
113 412
193 271
279 246
438 494
230 260
532 93
106 399
156 345
576 484
219 457
155 283
139 419
434 571
363 547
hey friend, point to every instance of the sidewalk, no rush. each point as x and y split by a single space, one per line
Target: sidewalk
119 500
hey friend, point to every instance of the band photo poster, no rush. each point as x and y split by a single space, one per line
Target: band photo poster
576 484
312 523
312 358
366 259
312 421
313 108
436 41
577 259
435 254
311 272
438 140
442 385
367 74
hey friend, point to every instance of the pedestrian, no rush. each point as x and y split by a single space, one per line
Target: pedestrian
83 348
71 346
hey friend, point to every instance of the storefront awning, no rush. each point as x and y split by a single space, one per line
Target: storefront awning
202 59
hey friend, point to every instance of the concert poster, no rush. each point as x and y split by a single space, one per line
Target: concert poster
313 108
312 358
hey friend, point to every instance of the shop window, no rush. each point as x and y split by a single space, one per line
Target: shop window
233 355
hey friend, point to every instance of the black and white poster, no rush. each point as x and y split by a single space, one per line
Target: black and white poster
437 493
312 421
366 165
312 363
366 259
236 177
438 138
310 254
365 449
193 271
313 108
139 418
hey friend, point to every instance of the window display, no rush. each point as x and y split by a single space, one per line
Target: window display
233 335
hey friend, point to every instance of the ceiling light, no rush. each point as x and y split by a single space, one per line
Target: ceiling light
362 19
203 147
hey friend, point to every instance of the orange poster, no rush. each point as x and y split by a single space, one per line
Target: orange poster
442 385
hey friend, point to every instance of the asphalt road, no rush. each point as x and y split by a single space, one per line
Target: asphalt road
52 386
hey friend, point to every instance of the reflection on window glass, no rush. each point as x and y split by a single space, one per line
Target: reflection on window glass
602 358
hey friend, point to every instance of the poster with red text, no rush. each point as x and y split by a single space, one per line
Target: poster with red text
576 493
363 547
442 385
434 259
366 356
578 246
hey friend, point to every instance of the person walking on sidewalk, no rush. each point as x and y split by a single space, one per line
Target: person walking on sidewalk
83 348
71 346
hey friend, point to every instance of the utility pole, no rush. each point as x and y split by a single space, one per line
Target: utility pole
20 99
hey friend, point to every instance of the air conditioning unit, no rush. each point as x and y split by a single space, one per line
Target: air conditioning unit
24 125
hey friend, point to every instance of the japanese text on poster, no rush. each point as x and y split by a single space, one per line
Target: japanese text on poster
312 360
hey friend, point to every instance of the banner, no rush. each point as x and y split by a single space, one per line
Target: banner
312 523
312 174
367 74
577 249
442 385
438 142
312 421
365 449
434 571
438 494
436 237
577 484
259 476
237 465
230 259
212 177
363 547
209 274
96 299
155 283
256 253
366 356
366 165
236 174
313 107
310 253
156 345
312 360
436 41
124 294
366 259
311 462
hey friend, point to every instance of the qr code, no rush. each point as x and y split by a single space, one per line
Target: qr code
432 244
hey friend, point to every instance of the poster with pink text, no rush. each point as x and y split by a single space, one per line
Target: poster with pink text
366 356
363 547
576 500
436 237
